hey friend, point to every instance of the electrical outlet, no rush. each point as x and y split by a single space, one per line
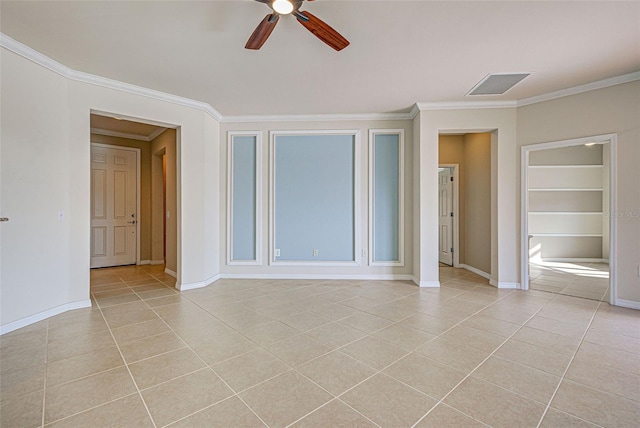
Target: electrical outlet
60 215
277 252
315 253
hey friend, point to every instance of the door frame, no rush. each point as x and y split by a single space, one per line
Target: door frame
610 139
455 240
138 165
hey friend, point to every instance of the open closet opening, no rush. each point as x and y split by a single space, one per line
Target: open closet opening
568 200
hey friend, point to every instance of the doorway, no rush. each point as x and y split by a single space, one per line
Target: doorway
467 158
568 193
155 218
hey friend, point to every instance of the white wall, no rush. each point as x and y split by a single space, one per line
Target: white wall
363 270
36 182
616 110
45 168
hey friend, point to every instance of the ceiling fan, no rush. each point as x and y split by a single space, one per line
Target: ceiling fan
319 28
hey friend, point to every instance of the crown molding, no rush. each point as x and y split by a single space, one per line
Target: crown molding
79 76
44 61
110 133
600 84
155 133
465 105
316 117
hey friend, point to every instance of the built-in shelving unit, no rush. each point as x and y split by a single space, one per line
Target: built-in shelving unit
566 211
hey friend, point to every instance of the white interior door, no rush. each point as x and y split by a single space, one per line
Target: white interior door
113 206
445 216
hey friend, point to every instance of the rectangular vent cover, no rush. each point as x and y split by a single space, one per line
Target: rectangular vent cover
497 84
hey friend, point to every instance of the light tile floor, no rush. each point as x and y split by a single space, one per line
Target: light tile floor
255 353
586 280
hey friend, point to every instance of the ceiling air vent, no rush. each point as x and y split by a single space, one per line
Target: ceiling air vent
497 84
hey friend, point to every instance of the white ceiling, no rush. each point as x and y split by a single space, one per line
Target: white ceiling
401 52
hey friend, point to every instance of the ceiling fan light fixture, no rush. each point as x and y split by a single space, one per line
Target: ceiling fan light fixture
283 7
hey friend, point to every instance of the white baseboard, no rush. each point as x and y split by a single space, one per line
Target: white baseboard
156 262
318 276
32 319
476 271
144 262
510 285
170 272
627 304
200 284
429 284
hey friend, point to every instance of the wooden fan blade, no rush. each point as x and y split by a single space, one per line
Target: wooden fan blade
323 31
262 31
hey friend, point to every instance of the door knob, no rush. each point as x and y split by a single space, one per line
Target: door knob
4 218
131 222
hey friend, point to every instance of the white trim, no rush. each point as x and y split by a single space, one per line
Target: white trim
32 319
476 271
117 134
600 84
321 263
320 276
427 284
156 133
156 262
170 272
138 186
456 211
613 221
505 285
401 175
318 117
157 123
355 133
44 61
631 304
144 262
611 139
199 284
465 105
258 200
147 138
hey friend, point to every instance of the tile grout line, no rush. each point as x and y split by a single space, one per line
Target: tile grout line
126 365
335 321
481 363
544 413
377 372
291 369
46 370
380 372
235 394
90 408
